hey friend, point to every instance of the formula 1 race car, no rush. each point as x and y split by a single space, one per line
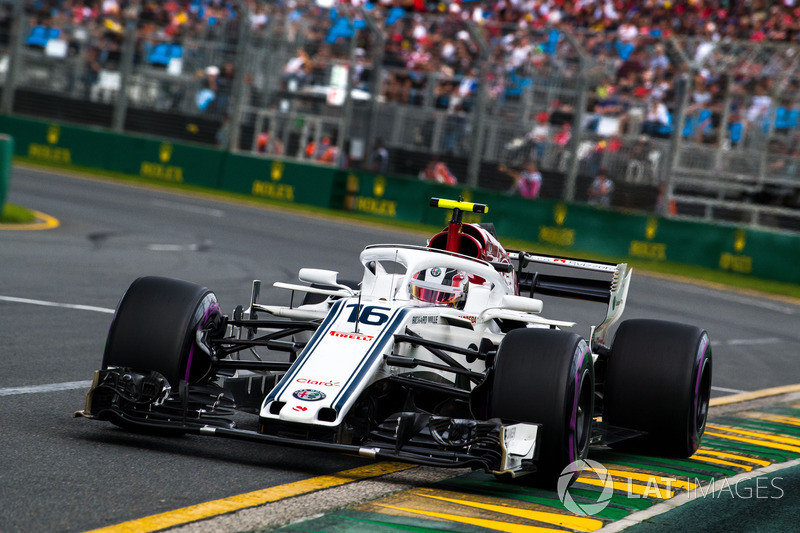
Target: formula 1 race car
438 356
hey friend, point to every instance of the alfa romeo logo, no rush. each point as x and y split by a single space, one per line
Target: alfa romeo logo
591 468
309 395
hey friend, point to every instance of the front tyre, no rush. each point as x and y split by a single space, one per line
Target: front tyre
546 377
155 328
659 381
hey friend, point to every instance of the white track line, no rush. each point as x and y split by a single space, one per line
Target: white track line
752 342
746 342
52 387
173 247
56 304
732 391
210 211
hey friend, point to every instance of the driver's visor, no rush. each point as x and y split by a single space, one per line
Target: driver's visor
438 295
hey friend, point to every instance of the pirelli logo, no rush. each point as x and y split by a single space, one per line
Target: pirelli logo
348 335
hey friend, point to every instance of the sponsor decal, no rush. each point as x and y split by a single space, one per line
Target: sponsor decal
161 172
376 206
743 264
300 408
737 262
165 152
275 191
648 250
53 133
51 154
425 320
379 186
471 318
558 235
348 335
309 395
739 240
276 170
328 383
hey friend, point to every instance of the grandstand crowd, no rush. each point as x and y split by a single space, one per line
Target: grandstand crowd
433 60
433 56
756 20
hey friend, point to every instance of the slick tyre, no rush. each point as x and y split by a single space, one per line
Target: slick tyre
155 326
546 377
659 381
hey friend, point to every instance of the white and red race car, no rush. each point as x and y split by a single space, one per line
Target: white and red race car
438 356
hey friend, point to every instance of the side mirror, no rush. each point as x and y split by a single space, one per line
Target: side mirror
323 277
318 275
521 303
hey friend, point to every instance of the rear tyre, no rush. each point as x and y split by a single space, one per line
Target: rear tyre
155 326
659 381
546 377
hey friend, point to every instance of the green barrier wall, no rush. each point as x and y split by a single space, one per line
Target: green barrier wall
60 144
6 156
283 180
762 254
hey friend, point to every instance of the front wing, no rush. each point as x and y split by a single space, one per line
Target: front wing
133 399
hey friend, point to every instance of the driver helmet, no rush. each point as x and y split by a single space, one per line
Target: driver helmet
442 286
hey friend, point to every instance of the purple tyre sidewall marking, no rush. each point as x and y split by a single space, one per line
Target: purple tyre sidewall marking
573 421
693 430
212 307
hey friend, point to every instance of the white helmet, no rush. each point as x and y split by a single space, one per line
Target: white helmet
442 286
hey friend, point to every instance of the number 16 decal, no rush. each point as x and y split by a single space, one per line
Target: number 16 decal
372 315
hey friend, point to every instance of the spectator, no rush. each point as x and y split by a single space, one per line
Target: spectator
455 129
224 84
324 151
656 118
329 152
206 96
601 189
527 182
263 144
297 70
91 72
563 136
539 135
379 158
438 172
759 105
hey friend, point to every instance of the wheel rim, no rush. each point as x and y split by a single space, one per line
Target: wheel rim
703 398
583 416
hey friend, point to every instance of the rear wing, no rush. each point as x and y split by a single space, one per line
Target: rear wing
612 291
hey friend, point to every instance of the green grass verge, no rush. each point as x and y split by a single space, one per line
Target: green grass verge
687 273
14 214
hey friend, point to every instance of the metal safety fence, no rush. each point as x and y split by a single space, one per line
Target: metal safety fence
685 127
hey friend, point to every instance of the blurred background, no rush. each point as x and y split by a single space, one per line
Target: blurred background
691 108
